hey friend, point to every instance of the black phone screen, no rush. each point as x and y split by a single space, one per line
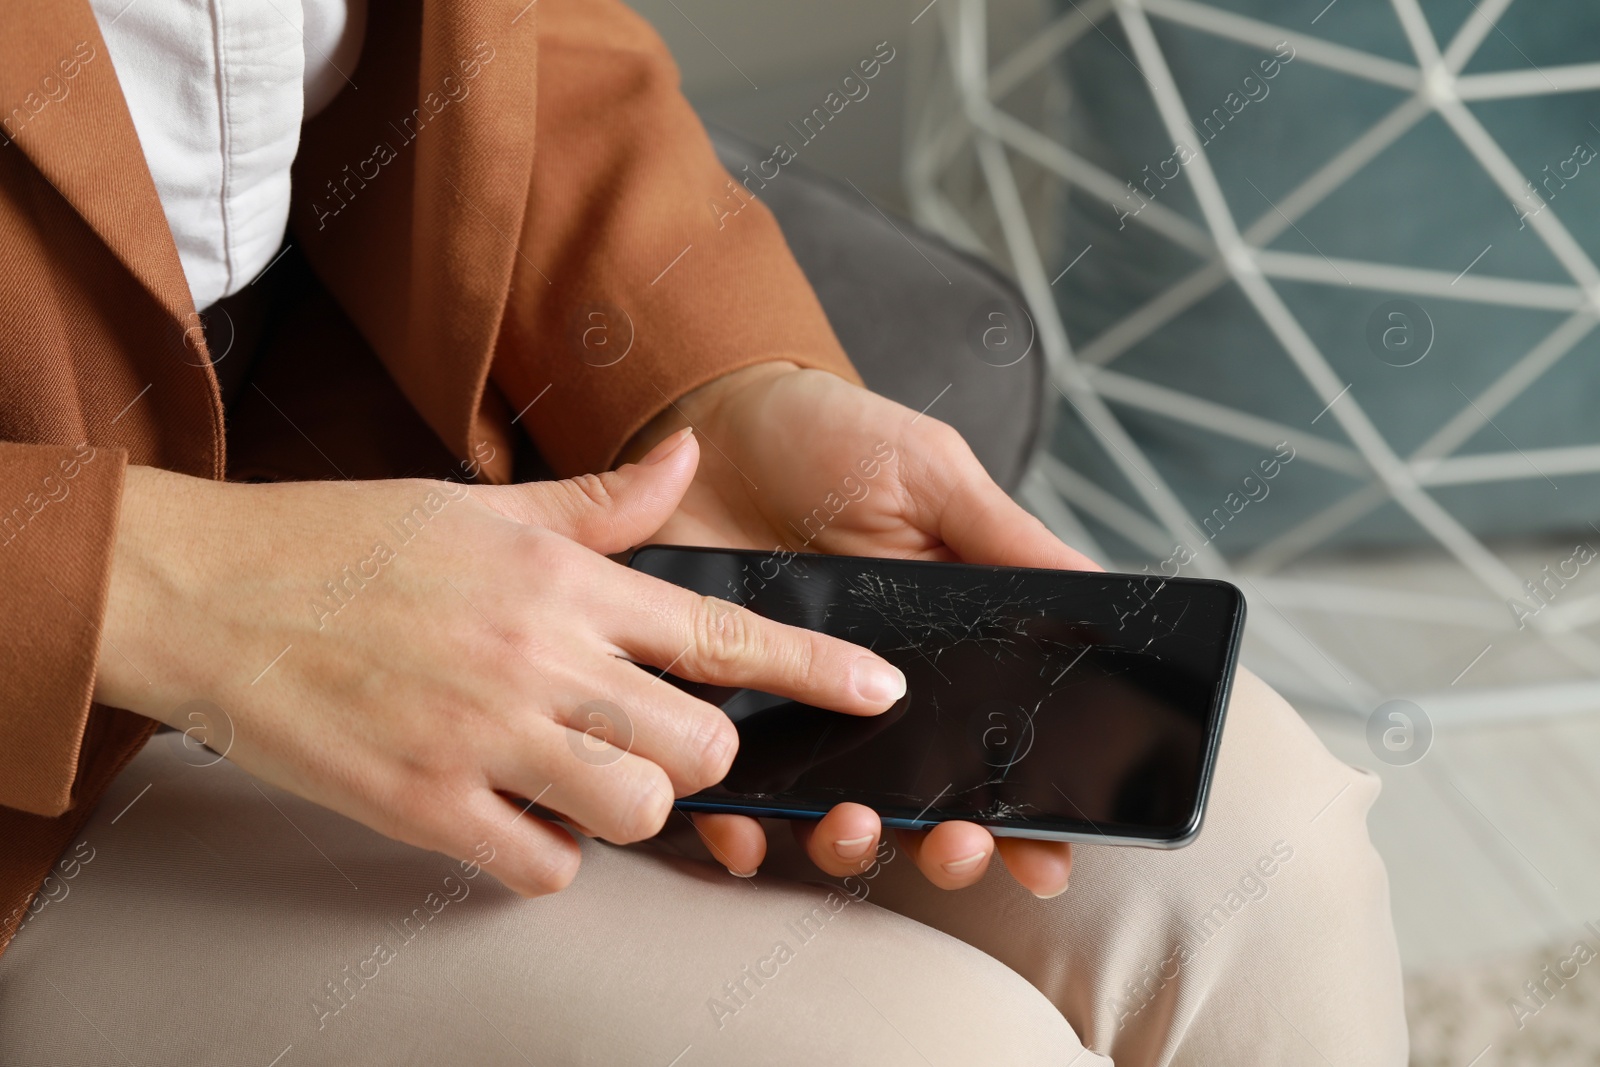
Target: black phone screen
1039 703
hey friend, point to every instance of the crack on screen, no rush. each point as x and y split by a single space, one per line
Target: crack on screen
1002 809
1001 621
1164 623
995 619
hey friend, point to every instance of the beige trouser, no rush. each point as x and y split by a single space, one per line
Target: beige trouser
216 921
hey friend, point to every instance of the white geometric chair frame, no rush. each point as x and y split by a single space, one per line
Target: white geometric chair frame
955 111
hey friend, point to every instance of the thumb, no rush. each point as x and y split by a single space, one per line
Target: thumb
982 524
977 520
606 512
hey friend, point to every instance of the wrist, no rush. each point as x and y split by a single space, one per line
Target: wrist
701 405
148 568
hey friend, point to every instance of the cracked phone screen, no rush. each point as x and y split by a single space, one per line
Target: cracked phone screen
1037 702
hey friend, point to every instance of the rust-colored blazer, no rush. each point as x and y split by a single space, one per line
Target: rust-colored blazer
468 259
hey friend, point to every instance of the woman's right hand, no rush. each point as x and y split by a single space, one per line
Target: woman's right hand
413 653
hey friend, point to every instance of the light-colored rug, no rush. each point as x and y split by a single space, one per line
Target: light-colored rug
1534 1009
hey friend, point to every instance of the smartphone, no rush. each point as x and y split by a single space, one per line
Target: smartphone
1060 705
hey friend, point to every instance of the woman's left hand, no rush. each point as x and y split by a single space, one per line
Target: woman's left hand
804 460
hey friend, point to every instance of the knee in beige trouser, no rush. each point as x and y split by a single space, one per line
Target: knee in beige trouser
1268 940
219 922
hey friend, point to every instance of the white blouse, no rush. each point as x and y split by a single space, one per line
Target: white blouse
218 90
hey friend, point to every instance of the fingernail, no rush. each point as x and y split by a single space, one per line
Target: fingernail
878 682
666 447
1052 896
743 874
852 847
965 864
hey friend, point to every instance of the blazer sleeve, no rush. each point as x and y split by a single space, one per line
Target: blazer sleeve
647 269
58 523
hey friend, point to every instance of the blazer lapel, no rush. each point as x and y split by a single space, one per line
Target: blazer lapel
410 191
63 107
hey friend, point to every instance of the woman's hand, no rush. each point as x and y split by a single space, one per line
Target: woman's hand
414 653
805 460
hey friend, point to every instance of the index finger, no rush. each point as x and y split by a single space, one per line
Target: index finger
706 639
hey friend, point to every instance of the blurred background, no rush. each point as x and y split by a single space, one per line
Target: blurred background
1355 241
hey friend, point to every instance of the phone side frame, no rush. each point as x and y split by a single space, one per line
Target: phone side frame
757 811
1230 671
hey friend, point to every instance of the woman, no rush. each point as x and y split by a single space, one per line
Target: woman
216 523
